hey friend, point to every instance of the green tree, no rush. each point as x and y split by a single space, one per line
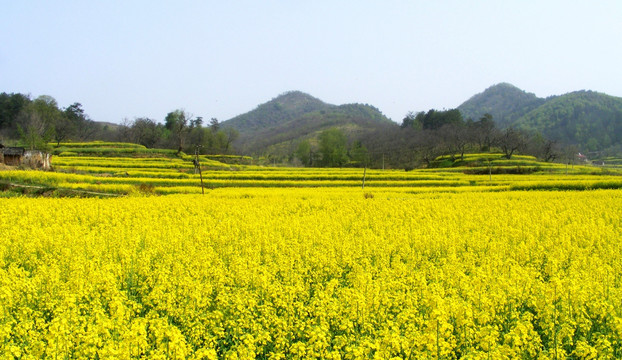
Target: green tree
303 152
11 106
214 125
359 154
33 130
483 132
177 122
146 132
333 148
37 122
433 119
83 127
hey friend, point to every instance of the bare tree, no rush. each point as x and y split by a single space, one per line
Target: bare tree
35 129
483 132
510 141
427 146
455 139
231 135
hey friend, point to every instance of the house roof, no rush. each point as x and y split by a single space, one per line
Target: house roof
13 151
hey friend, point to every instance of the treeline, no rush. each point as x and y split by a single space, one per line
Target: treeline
589 119
180 131
423 137
35 124
447 133
418 141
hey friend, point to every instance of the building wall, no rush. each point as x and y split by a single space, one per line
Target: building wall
13 160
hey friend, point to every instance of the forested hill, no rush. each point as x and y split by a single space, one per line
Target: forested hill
588 119
286 107
278 125
505 102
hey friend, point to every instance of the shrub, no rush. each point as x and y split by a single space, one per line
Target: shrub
145 188
4 186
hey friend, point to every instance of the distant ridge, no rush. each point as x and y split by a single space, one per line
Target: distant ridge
277 126
588 119
285 107
505 102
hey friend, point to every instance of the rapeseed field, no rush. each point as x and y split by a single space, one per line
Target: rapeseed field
313 273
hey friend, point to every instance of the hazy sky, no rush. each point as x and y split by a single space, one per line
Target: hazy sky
126 59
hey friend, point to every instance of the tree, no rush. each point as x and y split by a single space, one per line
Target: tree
196 122
427 146
359 154
37 122
483 132
455 139
214 125
146 132
511 140
413 120
303 152
543 148
231 135
34 132
333 147
177 123
73 123
11 106
570 155
82 127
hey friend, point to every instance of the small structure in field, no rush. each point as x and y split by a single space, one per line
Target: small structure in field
36 159
16 156
12 155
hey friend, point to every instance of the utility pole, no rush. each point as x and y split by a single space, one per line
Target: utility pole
197 165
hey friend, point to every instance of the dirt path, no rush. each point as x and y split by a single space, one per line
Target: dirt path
65 189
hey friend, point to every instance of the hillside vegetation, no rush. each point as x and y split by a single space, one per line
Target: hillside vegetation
289 129
279 125
505 102
590 120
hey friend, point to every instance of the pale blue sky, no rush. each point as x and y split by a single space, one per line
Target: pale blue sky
126 59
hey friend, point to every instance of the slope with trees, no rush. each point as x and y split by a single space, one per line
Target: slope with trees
285 107
589 120
505 102
278 127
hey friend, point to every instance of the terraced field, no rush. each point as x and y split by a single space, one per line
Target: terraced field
278 263
107 167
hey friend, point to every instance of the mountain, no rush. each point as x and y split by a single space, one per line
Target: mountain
505 102
279 125
286 107
588 119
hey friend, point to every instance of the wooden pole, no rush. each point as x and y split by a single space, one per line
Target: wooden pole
196 154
